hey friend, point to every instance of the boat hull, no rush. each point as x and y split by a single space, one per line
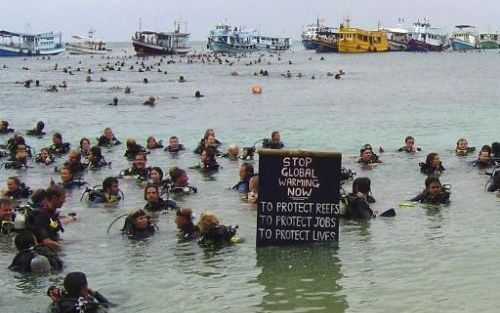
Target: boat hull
6 51
396 45
460 45
71 49
489 44
309 44
419 46
149 49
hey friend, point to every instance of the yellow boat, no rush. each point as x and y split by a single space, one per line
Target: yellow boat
356 40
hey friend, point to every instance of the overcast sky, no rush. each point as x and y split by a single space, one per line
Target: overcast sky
116 20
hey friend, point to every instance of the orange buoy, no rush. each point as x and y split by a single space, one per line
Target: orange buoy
256 89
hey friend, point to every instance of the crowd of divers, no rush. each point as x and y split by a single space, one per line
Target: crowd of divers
32 215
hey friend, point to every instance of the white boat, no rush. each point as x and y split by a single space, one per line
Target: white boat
88 45
397 38
20 44
227 39
465 38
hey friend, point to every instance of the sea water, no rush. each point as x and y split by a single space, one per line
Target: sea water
423 260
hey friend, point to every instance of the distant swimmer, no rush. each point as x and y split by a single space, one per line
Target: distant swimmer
198 94
145 80
52 88
151 101
88 79
115 101
63 84
128 90
181 79
102 80
409 146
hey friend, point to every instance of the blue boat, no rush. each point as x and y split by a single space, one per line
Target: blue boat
311 31
19 44
465 38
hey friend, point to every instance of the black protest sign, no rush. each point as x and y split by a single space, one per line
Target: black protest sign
299 193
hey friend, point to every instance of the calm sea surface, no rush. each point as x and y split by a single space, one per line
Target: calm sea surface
423 260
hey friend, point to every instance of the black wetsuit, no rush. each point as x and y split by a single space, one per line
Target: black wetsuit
134 233
373 160
72 184
105 142
49 160
269 144
59 149
425 198
76 304
189 232
182 189
201 147
161 205
482 165
138 174
6 131
220 235
35 132
22 260
464 152
16 165
99 196
358 208
133 151
44 224
405 149
98 164
75 167
180 147
23 192
429 170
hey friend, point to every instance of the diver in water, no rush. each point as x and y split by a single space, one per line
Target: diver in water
274 142
432 165
108 139
233 153
434 192
155 203
253 189
44 157
207 161
4 128
96 159
7 216
367 156
463 148
409 146
45 222
67 179
357 203
187 229
16 189
152 144
109 194
20 159
246 171
133 149
33 257
138 225
173 145
139 171
156 179
76 297
84 148
74 163
484 159
58 147
38 130
212 233
180 182
208 140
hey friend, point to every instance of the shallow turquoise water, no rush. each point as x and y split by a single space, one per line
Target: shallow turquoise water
421 261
